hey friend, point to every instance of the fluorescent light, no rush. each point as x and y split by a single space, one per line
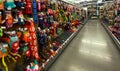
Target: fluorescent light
76 1
99 1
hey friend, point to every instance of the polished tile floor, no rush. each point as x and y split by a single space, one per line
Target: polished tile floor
91 50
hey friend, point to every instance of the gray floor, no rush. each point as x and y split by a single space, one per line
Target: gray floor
91 50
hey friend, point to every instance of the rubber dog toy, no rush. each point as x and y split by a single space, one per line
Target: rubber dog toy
1 32
3 62
9 4
1 5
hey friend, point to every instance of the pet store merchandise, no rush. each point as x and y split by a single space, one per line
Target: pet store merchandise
110 20
33 33
92 9
100 9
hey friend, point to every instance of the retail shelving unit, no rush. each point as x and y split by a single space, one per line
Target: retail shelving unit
117 42
35 32
51 60
45 66
92 9
111 22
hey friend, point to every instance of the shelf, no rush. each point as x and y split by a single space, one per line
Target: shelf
111 35
30 53
45 66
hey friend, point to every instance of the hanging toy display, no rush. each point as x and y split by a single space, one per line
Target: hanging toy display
9 4
1 5
55 29
42 39
10 48
28 7
49 38
13 41
43 5
112 11
48 19
3 50
50 12
28 54
1 32
41 20
33 45
20 18
26 37
64 15
3 54
51 20
38 5
68 16
24 50
56 15
19 3
77 23
33 66
46 25
32 31
9 20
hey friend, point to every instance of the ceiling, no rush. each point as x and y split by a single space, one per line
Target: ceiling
78 1
82 3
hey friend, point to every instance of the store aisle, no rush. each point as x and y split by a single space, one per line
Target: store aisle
91 50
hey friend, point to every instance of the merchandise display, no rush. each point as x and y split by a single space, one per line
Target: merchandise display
92 11
101 12
33 31
111 18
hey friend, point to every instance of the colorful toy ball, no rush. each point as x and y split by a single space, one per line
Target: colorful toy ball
15 45
27 53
